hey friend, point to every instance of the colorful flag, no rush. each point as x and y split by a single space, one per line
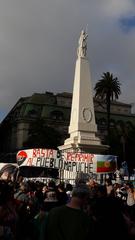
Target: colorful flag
106 163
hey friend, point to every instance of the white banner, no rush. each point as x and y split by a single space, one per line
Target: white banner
79 162
73 162
38 157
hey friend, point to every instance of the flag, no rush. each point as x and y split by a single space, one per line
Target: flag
106 163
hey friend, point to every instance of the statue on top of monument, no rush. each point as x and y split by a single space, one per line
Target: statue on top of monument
82 44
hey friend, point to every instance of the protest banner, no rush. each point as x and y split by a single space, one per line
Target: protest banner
38 157
69 161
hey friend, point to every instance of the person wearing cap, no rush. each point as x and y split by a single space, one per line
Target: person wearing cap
69 222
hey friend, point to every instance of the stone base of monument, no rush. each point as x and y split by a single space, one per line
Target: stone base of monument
84 148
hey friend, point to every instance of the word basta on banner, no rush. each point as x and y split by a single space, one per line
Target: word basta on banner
74 162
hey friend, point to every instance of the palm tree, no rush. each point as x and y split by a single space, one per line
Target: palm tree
107 89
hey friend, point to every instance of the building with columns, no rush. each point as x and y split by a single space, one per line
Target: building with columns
54 110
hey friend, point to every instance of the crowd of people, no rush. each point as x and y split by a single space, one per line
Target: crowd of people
37 211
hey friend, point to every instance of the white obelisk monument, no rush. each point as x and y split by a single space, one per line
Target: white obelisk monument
82 128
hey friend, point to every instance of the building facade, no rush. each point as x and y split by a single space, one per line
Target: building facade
55 110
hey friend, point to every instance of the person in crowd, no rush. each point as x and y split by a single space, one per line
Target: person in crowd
51 200
8 213
50 188
35 199
51 185
23 209
38 192
69 221
121 192
44 190
101 193
21 194
92 187
61 194
50 196
38 224
69 189
109 187
130 200
108 219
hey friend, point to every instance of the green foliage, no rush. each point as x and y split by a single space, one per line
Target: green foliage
42 136
107 89
122 144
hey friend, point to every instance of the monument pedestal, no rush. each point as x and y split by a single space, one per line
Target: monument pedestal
93 149
87 143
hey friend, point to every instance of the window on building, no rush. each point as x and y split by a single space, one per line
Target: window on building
57 115
32 110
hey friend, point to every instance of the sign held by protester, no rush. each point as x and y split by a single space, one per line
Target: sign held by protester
73 162
78 162
38 157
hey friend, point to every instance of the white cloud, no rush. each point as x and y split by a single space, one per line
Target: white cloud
117 8
38 41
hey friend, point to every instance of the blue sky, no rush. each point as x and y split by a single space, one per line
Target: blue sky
2 115
128 23
38 42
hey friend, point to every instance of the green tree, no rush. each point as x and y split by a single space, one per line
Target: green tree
118 139
107 89
42 136
130 146
122 143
